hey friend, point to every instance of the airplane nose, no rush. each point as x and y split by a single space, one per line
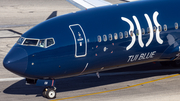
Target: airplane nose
16 60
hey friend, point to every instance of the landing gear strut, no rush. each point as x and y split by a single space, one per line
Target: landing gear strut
49 92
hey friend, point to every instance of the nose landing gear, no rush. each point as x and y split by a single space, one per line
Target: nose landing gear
49 92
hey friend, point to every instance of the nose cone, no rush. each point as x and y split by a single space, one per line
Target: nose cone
16 61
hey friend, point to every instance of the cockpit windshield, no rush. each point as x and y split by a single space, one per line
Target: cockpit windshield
20 40
44 43
30 42
41 43
50 42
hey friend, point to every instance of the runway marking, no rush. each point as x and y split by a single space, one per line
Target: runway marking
11 79
116 89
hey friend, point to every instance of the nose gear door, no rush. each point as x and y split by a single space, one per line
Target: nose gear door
79 39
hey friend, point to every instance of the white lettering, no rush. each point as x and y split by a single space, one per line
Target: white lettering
130 57
130 30
159 40
151 30
136 57
80 39
139 31
147 56
152 54
142 56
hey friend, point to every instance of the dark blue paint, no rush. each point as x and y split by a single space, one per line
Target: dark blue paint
45 83
16 61
59 61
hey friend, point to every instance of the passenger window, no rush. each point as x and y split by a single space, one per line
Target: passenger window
50 42
41 43
176 25
165 27
30 42
20 40
99 38
110 37
137 32
126 34
121 35
131 33
115 36
143 31
154 29
104 38
148 30
160 28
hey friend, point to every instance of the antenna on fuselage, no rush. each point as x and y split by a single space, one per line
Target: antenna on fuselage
53 14
97 73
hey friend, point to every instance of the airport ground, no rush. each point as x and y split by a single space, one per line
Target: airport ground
147 82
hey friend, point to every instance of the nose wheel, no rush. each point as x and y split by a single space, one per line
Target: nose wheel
49 92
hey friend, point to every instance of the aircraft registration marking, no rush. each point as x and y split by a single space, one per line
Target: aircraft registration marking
142 56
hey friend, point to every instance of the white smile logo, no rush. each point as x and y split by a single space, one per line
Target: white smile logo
131 30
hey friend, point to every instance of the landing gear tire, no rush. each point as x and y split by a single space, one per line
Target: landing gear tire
44 93
49 92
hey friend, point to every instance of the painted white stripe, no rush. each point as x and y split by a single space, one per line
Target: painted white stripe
85 68
131 29
159 40
139 31
150 28
11 79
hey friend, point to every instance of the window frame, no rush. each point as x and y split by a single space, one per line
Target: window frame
110 36
131 33
45 45
176 25
99 39
115 36
165 27
104 37
137 32
126 34
121 35
160 28
154 29
38 40
143 31
22 41
51 44
148 30
30 39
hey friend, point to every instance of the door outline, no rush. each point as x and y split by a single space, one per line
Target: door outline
75 40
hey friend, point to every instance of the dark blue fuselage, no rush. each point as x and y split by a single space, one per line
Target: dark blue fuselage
77 51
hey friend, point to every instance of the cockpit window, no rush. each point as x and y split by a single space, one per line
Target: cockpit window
20 40
41 43
44 43
30 42
50 42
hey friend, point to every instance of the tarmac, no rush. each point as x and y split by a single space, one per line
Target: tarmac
147 82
